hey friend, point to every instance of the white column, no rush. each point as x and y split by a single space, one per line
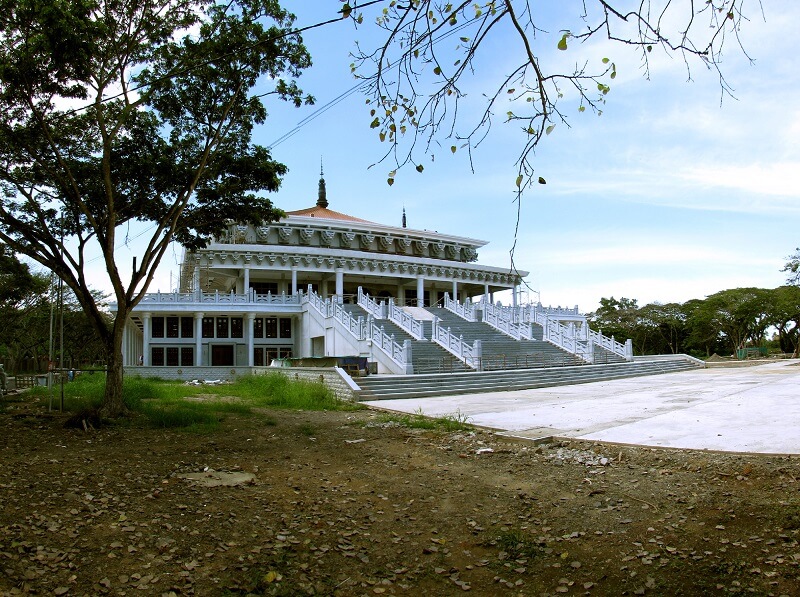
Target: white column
198 339
514 296
455 290
196 278
420 291
294 280
126 355
401 295
246 288
486 292
250 318
146 342
339 283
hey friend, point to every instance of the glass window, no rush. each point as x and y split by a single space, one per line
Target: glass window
157 356
172 327
272 353
222 327
187 327
208 327
285 352
258 357
236 327
286 327
258 328
187 356
271 325
172 356
157 327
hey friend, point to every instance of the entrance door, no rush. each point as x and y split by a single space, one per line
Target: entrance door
222 355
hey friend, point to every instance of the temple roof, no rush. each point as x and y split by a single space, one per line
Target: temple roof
319 211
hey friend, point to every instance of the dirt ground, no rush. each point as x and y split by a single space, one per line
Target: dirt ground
347 503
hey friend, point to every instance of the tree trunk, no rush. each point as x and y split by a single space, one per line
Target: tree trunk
113 402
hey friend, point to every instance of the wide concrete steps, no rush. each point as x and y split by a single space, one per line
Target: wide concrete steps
426 356
378 387
501 352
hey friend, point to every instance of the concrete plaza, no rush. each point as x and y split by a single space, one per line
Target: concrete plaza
743 409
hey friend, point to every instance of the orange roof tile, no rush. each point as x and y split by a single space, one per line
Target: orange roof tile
324 212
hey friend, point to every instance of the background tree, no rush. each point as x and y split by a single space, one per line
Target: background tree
785 317
792 268
115 111
419 75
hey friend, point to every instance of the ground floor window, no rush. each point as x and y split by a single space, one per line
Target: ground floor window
172 356
264 355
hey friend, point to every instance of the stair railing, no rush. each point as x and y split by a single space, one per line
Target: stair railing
618 348
399 353
502 319
404 320
328 308
464 311
370 305
470 354
362 329
564 337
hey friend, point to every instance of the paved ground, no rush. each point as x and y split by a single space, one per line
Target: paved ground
750 409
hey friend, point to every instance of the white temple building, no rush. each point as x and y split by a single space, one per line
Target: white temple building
320 283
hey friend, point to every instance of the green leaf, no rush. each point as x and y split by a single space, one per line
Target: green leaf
390 181
605 60
375 123
542 180
582 109
549 129
420 167
562 44
452 149
346 10
519 181
437 71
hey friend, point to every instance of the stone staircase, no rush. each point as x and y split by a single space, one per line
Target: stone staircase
500 352
376 387
426 356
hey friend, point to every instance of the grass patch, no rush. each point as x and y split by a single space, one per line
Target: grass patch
517 545
456 421
173 404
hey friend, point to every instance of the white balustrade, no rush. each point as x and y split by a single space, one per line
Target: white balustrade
220 298
363 330
464 311
469 353
370 305
405 320
502 319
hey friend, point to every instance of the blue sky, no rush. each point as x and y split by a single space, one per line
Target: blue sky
667 196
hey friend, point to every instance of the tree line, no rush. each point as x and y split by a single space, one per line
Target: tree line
720 323
31 315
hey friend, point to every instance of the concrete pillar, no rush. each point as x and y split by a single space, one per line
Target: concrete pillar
196 279
514 296
401 295
294 280
339 282
455 290
246 284
146 342
250 317
486 293
198 339
420 291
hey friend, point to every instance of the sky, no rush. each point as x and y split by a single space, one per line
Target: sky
675 192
